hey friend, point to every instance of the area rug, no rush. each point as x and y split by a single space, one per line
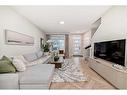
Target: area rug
70 72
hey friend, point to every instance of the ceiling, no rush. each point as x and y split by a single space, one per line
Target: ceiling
76 18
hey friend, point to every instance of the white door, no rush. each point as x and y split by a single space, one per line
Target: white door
76 44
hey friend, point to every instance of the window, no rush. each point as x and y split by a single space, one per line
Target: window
58 42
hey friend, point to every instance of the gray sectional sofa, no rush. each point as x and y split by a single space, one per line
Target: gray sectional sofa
38 74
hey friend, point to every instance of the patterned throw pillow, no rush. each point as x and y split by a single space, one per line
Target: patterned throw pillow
19 64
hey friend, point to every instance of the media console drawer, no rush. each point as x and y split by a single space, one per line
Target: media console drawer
115 77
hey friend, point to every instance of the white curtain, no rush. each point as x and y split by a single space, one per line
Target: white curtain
66 45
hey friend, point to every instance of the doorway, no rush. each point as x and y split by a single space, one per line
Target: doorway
76 39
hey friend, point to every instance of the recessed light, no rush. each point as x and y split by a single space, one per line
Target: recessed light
61 22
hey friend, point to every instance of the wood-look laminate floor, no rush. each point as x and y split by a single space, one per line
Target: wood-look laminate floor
94 80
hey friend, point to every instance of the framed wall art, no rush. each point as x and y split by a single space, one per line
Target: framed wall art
15 38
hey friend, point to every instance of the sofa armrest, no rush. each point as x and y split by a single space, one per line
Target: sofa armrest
9 81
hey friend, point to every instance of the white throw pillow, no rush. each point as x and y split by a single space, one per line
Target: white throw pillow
19 65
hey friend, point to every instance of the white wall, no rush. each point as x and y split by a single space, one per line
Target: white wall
86 42
11 20
87 39
113 26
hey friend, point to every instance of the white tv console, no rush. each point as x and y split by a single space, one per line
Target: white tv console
116 76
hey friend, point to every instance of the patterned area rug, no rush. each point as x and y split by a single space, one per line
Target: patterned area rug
70 72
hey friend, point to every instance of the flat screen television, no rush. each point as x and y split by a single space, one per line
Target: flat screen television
113 51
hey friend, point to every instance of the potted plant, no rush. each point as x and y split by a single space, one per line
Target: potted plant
46 48
56 58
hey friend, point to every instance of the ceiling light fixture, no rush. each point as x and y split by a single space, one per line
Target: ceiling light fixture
61 22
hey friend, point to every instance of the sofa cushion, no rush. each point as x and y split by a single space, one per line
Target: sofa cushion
32 63
30 57
41 60
41 73
39 54
9 81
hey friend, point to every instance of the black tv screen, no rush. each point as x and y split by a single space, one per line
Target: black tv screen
113 51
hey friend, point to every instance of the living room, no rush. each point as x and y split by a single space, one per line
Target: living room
45 47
